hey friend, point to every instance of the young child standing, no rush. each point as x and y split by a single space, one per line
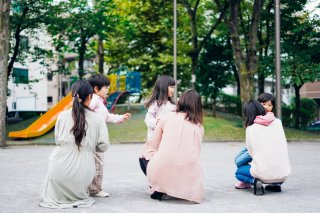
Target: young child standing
268 101
159 102
100 85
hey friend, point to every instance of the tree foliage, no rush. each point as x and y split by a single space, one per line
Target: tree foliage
215 69
301 61
75 22
26 17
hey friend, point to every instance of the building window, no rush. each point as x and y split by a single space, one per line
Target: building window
49 99
49 76
20 76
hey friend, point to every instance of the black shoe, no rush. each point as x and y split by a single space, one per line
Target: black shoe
273 188
157 195
258 187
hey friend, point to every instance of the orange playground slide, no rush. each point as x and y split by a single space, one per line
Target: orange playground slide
45 122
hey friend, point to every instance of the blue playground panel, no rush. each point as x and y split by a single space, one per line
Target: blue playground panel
127 83
133 82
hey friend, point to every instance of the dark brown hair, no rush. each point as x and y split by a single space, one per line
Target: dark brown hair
190 103
99 81
80 91
160 91
251 110
264 97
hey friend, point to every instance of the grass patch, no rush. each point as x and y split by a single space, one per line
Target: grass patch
224 127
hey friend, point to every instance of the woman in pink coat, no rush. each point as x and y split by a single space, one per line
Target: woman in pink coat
171 157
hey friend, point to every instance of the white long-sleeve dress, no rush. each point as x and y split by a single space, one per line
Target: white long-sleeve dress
70 170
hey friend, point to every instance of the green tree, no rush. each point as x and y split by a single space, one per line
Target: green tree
26 15
143 40
75 22
215 69
202 25
301 61
243 22
4 51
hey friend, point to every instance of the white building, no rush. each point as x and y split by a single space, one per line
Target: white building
30 87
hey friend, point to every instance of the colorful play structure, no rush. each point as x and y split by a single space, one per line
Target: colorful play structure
121 83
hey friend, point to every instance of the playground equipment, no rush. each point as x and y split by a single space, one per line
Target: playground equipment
127 83
45 122
121 84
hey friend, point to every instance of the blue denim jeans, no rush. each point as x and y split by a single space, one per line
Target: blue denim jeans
243 174
243 158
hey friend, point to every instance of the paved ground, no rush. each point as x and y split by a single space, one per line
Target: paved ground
22 169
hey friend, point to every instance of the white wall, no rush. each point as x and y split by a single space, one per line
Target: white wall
33 96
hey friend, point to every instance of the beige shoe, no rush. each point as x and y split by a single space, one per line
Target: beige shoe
101 194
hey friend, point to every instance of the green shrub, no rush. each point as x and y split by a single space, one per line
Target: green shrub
229 103
287 115
308 111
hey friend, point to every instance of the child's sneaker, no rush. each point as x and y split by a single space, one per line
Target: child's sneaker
101 194
242 185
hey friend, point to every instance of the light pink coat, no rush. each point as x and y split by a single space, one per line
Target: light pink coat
174 153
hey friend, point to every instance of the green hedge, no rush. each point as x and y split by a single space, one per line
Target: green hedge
308 111
229 103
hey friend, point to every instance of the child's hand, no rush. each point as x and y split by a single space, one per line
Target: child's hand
127 116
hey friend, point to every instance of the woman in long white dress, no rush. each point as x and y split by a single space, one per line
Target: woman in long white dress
78 132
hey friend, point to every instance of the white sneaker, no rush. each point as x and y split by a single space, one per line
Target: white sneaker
101 194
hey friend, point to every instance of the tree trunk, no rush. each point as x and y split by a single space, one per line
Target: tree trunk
82 51
264 47
236 76
196 48
261 78
100 55
4 52
260 69
17 37
214 107
246 63
297 103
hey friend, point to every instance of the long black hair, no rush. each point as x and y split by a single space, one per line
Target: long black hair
190 103
160 91
251 110
80 91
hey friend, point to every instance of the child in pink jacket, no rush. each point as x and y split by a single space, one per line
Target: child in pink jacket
100 85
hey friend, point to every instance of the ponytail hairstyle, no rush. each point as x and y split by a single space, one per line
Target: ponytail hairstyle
160 91
190 103
251 110
80 91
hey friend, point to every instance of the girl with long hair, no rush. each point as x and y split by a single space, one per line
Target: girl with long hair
78 133
159 102
171 157
267 146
